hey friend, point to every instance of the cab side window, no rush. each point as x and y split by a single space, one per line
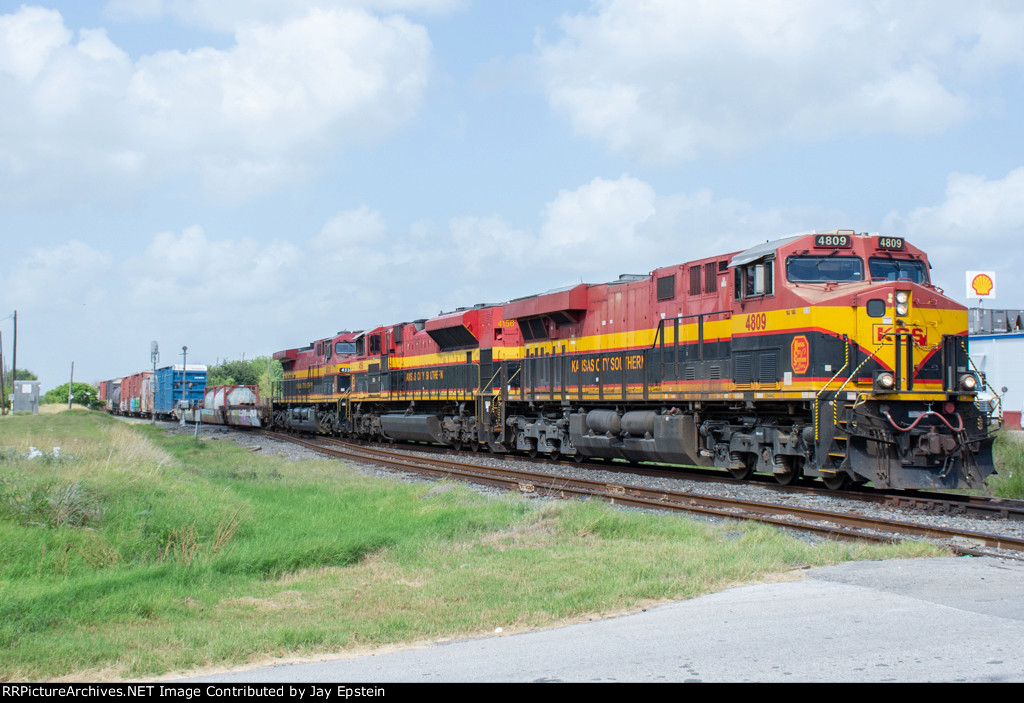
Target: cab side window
755 280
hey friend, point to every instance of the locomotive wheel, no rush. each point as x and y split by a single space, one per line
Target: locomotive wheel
474 446
790 473
742 468
743 473
457 445
835 483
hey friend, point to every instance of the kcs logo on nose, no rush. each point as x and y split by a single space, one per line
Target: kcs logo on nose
886 334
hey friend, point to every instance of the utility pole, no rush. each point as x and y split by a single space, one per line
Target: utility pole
71 383
3 372
154 355
14 362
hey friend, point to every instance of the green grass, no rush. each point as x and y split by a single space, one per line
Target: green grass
136 554
1009 460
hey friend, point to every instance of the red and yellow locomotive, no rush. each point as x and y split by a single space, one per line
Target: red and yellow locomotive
825 355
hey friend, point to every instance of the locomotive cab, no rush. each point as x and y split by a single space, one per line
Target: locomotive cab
317 379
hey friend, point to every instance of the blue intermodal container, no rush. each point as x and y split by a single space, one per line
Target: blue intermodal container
174 387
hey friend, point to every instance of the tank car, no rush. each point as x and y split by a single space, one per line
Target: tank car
233 405
828 355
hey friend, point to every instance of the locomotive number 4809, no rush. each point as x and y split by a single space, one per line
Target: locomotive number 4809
833 241
757 322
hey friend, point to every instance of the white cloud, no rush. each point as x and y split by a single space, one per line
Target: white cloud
28 38
208 273
979 225
667 80
224 295
228 15
597 220
62 277
244 118
362 227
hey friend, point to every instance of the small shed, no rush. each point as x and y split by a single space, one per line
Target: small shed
26 397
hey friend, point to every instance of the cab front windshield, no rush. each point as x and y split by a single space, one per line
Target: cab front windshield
898 270
344 348
824 269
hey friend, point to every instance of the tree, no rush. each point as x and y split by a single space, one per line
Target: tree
82 394
253 372
25 375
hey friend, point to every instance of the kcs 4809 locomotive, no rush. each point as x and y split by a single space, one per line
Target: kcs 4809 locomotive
828 355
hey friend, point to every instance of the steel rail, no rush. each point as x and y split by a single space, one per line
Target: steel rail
921 501
820 521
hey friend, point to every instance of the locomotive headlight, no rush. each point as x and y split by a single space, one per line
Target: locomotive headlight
969 383
884 381
902 303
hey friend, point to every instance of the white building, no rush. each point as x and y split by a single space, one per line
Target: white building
996 345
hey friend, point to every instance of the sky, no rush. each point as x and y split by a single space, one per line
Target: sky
246 176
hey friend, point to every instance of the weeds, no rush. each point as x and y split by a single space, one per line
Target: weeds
1009 459
94 550
53 505
184 545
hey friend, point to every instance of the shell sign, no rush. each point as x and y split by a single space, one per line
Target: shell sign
981 285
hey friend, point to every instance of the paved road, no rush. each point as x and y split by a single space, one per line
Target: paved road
950 619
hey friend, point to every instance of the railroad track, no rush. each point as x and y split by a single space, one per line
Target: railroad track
936 503
828 523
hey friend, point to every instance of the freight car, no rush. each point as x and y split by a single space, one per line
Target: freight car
135 391
237 406
828 355
176 387
110 394
165 393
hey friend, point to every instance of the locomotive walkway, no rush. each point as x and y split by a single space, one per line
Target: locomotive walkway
948 619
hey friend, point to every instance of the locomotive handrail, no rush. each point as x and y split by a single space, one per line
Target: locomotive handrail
488 384
861 364
846 362
981 376
660 334
660 337
835 408
995 404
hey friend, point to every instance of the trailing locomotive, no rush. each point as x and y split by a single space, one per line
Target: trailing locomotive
828 355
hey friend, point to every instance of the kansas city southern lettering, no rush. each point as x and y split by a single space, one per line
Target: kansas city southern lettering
428 375
633 362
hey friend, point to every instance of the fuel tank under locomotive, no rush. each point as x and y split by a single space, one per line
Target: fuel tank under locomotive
638 435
